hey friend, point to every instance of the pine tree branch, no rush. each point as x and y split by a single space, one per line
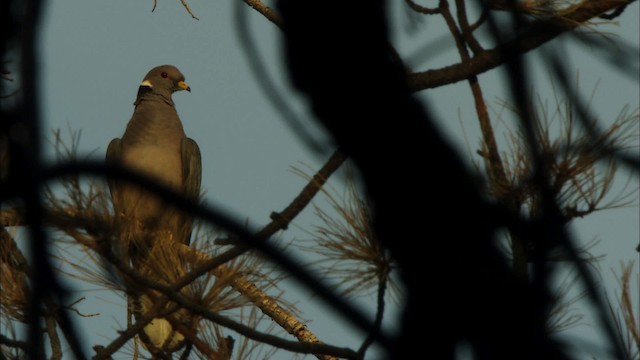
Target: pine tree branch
308 342
218 217
538 33
172 292
54 339
266 11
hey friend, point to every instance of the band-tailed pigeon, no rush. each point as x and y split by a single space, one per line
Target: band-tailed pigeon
154 143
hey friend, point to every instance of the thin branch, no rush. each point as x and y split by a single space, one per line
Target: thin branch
266 11
13 343
71 308
184 4
481 19
422 9
54 339
281 220
553 228
494 162
465 28
614 14
382 287
453 29
186 7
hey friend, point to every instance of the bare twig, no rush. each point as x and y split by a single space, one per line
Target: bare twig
71 308
186 7
266 11
184 4
422 9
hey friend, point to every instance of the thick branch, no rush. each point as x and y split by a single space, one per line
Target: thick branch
538 33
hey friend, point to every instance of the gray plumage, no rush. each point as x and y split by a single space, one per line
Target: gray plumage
154 143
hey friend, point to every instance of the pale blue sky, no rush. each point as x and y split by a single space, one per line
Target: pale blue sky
95 53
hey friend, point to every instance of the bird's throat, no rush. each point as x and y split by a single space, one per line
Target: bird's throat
142 91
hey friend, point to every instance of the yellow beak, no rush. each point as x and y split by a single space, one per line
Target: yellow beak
183 85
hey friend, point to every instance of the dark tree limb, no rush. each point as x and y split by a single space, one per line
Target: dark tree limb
538 32
403 137
20 22
13 343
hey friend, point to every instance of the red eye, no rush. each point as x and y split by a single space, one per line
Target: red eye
164 75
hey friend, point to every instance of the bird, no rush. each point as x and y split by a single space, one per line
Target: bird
154 143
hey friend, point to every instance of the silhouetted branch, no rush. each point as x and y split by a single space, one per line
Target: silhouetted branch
538 32
382 287
278 223
614 14
281 220
13 343
20 23
473 268
554 233
466 29
422 9
216 217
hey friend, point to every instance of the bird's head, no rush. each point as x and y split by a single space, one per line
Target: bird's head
163 80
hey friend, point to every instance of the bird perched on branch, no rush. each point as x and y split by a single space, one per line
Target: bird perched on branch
155 144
